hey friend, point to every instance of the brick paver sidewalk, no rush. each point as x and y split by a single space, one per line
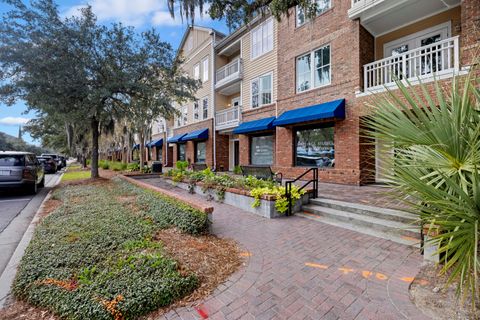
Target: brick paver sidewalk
301 269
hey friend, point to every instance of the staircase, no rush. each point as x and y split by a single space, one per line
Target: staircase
394 225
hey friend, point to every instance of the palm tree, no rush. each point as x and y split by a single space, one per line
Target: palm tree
436 145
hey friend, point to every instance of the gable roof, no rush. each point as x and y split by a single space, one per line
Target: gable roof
194 27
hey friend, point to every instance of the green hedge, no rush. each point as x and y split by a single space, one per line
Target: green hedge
96 249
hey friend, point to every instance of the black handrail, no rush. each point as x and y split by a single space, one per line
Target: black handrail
288 187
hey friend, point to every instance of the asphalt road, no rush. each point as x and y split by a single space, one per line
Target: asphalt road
16 212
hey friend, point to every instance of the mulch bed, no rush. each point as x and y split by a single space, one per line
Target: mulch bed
431 295
211 258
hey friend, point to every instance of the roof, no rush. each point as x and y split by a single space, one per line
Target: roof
190 27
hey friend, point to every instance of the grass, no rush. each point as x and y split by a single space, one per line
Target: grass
70 175
96 257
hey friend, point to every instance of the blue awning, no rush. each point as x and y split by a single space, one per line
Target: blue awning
196 135
136 146
177 138
155 143
255 125
332 109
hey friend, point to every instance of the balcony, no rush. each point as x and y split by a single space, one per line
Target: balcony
440 59
228 77
228 118
383 16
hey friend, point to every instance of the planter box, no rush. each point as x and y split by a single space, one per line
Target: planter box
242 200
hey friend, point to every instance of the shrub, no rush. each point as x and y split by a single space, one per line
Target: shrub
281 202
237 170
181 165
134 166
95 259
436 142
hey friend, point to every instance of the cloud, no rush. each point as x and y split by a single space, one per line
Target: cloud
163 18
12 121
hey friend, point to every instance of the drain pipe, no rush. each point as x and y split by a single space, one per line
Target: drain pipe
213 103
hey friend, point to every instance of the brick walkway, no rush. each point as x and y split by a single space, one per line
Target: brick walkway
299 269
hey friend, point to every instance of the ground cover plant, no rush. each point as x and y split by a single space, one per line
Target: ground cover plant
220 182
96 256
436 145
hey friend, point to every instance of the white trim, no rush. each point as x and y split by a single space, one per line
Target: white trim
259 92
197 52
252 58
312 69
208 107
414 37
202 71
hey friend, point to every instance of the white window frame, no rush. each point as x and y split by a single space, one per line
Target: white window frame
205 69
203 108
297 10
264 47
313 69
196 71
260 91
196 115
185 115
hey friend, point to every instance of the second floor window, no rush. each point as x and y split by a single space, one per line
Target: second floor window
313 75
262 39
205 108
195 110
205 70
262 90
196 72
185 115
322 6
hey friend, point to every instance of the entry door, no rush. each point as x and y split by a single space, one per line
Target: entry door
235 102
236 153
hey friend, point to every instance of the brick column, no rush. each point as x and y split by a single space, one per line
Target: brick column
470 36
223 151
244 149
284 144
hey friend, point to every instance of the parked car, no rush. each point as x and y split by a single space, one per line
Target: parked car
49 165
21 170
55 157
64 161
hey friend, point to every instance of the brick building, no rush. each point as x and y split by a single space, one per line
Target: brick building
292 94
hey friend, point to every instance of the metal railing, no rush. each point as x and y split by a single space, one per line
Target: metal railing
229 71
436 58
288 187
227 118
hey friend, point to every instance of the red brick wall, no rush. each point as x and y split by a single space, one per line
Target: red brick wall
470 34
222 151
190 147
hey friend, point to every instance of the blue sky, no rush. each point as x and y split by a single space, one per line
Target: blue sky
142 14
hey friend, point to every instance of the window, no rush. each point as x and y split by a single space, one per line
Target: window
205 70
8 160
185 115
261 150
262 39
262 90
200 152
309 77
205 108
195 110
321 6
181 152
159 155
196 72
314 147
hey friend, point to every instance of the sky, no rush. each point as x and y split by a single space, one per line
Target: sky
142 14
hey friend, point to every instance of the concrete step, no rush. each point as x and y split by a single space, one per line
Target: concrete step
365 222
353 227
377 212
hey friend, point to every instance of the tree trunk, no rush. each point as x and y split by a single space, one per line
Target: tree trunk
142 151
95 137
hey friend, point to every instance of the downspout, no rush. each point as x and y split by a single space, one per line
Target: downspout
213 103
165 135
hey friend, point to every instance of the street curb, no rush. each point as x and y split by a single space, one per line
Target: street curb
8 275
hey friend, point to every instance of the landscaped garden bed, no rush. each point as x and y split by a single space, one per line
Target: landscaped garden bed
263 197
112 250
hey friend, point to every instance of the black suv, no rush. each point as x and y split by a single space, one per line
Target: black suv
20 170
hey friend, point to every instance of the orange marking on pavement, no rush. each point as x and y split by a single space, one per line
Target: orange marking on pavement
366 274
346 270
381 276
423 282
245 254
407 279
316 265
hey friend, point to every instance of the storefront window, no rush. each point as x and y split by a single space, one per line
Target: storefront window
261 150
181 152
159 154
200 152
315 147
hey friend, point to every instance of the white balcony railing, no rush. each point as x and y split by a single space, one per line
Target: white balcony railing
230 72
438 58
227 118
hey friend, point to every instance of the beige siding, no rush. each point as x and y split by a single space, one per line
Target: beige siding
258 66
202 50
